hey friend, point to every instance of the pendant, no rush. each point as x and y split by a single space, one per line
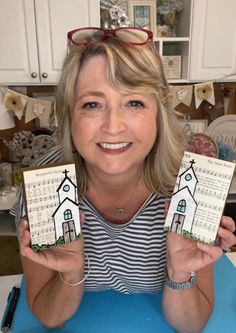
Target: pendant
120 210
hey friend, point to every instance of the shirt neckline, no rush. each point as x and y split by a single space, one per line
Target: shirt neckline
114 225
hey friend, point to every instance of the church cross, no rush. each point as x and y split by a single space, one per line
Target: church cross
192 162
65 172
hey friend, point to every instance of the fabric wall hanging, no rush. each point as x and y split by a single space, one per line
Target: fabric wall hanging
204 92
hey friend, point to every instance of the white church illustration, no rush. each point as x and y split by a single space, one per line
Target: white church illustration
183 206
66 216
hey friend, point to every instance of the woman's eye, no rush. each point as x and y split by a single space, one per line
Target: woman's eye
136 104
91 105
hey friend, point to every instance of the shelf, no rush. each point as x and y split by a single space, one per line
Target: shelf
171 39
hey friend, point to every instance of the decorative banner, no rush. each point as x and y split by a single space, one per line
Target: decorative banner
15 102
6 116
38 108
181 94
204 92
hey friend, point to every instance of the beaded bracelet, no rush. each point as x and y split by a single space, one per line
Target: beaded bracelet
81 281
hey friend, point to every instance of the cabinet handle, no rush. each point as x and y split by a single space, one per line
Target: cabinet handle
44 75
34 75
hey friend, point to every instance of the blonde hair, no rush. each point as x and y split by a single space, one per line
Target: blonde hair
129 68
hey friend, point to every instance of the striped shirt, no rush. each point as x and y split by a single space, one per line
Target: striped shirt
128 257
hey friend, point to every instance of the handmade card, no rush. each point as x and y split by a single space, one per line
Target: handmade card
51 205
199 197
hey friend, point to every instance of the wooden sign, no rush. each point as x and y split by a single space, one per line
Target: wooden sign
199 197
51 205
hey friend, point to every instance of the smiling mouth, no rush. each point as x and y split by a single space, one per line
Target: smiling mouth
114 146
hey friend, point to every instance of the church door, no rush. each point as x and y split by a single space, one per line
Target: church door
69 231
177 223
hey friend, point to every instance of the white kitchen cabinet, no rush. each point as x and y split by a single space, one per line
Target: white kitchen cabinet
33 37
213 42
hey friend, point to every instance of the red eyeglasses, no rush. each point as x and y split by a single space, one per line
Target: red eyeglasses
131 36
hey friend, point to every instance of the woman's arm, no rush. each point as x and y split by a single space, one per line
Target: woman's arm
189 310
49 298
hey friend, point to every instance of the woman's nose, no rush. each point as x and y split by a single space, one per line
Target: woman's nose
113 122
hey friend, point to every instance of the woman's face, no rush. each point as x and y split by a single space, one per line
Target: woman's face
112 131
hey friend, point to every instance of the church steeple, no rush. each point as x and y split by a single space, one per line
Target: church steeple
67 188
188 178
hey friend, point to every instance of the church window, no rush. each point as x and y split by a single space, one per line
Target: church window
188 177
67 214
66 188
181 206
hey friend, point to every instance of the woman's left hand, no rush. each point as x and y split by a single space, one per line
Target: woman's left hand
185 255
225 235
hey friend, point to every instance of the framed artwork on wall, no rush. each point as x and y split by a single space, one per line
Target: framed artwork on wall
142 14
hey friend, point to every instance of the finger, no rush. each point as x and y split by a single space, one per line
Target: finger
22 226
213 252
25 242
228 223
227 238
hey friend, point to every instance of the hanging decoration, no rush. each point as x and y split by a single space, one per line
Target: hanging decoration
15 102
6 116
181 94
204 92
38 108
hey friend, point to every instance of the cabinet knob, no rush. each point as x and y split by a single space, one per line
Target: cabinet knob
34 75
44 75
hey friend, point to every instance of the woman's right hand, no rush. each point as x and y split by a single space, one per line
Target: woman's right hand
65 258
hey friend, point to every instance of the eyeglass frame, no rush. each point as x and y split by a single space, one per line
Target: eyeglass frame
107 33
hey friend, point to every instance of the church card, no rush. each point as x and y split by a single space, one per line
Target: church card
199 197
52 205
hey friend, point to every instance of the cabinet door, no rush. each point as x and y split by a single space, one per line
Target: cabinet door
54 18
18 57
213 42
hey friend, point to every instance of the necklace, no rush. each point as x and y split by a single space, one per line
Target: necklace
120 210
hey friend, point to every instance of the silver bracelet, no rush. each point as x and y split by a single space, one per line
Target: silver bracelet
81 281
182 285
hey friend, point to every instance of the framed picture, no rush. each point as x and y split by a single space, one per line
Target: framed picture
142 14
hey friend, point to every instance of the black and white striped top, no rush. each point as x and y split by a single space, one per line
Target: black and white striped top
128 257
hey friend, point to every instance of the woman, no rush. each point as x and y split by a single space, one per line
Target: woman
116 122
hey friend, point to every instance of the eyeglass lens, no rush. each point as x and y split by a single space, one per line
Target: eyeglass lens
87 35
95 35
132 35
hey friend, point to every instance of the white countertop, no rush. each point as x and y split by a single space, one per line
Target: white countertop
232 257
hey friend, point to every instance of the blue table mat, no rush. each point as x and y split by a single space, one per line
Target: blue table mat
113 312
